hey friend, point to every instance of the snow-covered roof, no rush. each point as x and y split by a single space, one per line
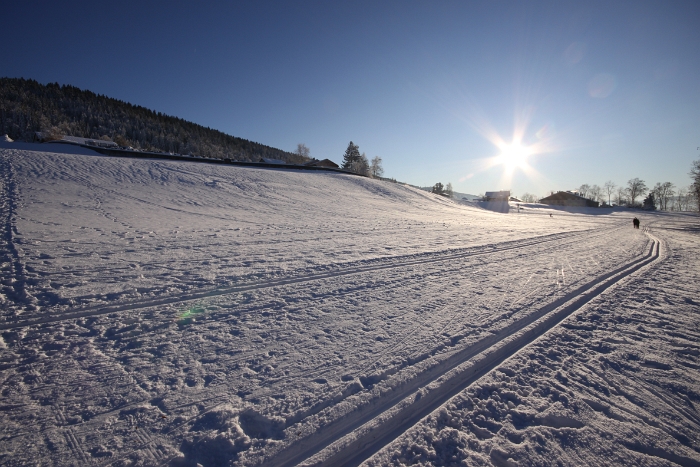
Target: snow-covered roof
498 194
41 136
267 160
89 141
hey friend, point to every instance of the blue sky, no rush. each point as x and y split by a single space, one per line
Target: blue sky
596 91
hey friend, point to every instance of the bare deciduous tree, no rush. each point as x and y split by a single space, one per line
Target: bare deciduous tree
686 199
695 175
583 190
693 201
662 193
595 193
609 188
636 188
375 167
360 166
302 150
529 198
655 195
679 199
669 189
448 189
621 196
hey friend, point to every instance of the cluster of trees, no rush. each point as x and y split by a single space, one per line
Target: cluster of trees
27 107
663 196
610 193
446 190
358 163
529 198
303 151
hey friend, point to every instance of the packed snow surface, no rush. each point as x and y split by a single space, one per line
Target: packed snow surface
180 313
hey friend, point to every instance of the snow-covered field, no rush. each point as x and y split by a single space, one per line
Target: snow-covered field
174 313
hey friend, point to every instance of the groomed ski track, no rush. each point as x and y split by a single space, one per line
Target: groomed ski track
351 440
338 271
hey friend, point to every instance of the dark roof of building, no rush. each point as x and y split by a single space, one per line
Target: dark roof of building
322 163
267 160
563 195
568 196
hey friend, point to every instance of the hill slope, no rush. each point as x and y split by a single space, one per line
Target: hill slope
27 106
157 312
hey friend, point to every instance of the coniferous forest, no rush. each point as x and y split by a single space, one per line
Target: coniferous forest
27 107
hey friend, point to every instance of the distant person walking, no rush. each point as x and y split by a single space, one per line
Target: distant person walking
635 222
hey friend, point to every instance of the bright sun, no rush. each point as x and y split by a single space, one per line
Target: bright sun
513 156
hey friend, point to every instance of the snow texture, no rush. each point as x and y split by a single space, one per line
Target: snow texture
182 313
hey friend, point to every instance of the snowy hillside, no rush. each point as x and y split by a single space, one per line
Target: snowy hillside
175 313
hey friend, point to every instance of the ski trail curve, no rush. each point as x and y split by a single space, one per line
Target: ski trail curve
358 435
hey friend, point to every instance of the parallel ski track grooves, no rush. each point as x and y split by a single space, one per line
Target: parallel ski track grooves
395 263
10 198
451 376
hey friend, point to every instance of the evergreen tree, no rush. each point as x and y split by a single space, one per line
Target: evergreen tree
361 166
351 156
649 202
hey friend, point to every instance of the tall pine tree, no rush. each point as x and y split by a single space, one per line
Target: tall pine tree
352 155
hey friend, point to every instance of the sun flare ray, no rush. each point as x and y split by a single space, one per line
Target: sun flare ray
513 156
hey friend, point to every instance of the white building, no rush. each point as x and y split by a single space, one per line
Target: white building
503 195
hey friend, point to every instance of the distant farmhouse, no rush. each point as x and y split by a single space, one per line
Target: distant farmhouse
104 146
76 140
567 198
324 163
267 160
497 195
